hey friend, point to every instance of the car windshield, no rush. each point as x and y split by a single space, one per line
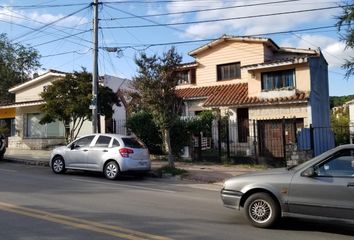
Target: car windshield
133 143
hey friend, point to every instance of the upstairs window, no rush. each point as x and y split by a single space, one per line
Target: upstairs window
228 71
278 80
186 77
183 77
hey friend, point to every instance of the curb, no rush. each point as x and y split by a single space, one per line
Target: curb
27 162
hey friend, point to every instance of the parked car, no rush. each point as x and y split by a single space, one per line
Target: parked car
319 188
2 146
111 154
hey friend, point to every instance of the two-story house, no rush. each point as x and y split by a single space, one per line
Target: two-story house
253 79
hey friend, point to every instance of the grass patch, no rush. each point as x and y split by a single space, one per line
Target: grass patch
172 170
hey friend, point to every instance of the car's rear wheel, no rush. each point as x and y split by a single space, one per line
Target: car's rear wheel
58 165
111 170
261 210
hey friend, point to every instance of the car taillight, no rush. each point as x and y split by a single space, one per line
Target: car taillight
124 152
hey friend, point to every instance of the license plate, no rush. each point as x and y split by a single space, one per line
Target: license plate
141 163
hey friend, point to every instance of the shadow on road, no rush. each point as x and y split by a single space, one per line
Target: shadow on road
327 226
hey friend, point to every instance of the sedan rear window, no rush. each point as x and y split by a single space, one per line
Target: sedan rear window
132 143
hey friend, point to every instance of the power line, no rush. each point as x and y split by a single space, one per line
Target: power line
24 17
43 6
58 39
203 10
222 19
64 53
212 39
49 24
146 19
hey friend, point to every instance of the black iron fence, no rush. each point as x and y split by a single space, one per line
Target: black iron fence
273 142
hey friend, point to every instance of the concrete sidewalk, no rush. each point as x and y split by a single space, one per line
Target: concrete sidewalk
202 173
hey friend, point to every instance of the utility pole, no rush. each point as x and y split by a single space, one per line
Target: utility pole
94 103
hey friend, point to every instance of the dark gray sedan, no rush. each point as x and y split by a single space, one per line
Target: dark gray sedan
321 188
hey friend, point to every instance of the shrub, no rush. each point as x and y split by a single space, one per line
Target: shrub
142 125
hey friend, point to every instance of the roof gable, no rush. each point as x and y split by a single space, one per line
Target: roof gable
46 76
227 38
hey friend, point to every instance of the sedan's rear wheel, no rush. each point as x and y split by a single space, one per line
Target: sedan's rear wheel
261 210
58 165
111 170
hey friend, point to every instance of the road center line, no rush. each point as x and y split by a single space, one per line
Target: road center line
111 230
122 185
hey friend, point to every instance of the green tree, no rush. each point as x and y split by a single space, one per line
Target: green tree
16 63
68 100
346 21
155 83
148 132
340 125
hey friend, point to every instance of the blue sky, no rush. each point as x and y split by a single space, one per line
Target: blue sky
66 44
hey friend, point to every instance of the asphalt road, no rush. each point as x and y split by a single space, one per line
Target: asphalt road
36 204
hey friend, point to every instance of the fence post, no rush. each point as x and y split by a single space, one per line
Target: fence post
284 138
255 142
228 139
199 150
312 140
219 137
295 130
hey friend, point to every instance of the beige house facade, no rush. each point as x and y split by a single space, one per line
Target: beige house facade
26 114
253 79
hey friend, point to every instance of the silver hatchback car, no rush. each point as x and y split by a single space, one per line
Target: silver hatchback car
107 153
320 188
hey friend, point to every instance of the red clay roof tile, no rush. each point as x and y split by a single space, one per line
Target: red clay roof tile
234 95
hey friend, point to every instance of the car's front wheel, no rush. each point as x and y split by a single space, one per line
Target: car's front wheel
111 170
261 210
58 165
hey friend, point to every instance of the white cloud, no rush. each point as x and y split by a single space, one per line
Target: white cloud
333 49
48 18
10 15
250 26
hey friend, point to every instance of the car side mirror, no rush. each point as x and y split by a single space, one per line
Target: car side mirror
310 172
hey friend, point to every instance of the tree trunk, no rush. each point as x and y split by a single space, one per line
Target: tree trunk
168 148
67 132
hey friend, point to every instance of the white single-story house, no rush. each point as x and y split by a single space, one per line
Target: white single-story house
29 133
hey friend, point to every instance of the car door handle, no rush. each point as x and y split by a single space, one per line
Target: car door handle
85 150
105 150
351 184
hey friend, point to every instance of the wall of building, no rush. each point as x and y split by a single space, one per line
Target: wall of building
319 97
279 111
351 121
228 52
302 80
32 92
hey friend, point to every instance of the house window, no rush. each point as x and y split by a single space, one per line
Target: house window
278 80
228 71
186 77
183 77
36 130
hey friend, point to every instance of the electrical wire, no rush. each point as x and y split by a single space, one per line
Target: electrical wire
202 10
213 39
220 20
49 24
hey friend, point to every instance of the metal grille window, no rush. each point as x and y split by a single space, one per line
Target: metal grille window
278 80
228 71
